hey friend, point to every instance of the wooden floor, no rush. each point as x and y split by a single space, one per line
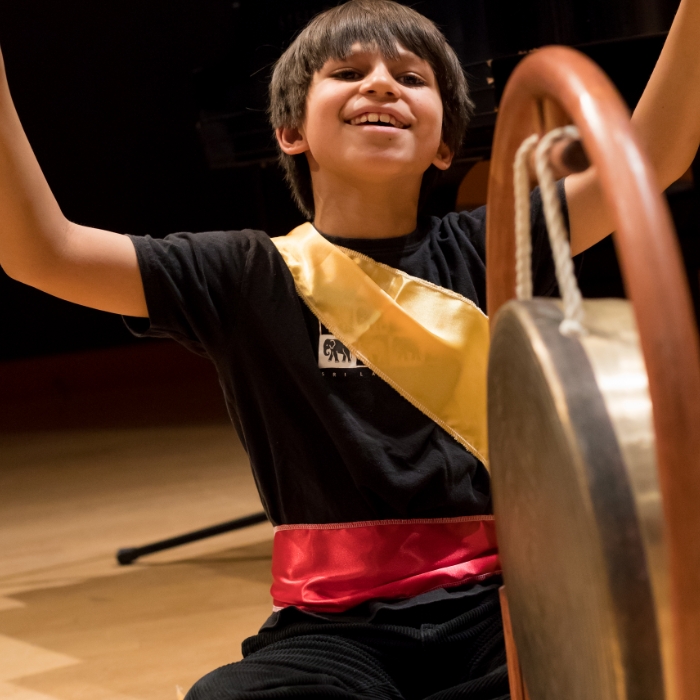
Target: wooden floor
76 626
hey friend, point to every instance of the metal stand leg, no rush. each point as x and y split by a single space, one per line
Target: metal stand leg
129 554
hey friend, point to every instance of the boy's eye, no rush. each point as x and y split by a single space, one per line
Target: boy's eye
347 74
411 79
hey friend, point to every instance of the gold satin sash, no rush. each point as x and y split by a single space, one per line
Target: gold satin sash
427 342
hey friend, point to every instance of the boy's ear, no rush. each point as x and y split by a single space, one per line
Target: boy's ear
443 157
291 140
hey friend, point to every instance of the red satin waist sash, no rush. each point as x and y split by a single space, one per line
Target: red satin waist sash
331 568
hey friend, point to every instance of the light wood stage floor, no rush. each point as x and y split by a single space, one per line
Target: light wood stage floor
73 624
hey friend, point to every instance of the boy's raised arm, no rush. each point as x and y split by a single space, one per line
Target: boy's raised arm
667 120
40 247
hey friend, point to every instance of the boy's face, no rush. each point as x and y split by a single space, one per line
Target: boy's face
369 118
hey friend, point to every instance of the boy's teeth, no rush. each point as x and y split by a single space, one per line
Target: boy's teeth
374 117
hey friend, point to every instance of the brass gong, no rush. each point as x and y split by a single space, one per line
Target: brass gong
580 525
595 439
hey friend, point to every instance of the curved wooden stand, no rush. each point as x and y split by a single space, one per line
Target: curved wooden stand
552 87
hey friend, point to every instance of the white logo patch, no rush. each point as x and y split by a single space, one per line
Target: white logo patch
333 354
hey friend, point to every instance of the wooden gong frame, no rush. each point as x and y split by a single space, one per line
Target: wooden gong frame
552 87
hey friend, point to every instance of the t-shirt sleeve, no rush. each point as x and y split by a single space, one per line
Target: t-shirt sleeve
192 284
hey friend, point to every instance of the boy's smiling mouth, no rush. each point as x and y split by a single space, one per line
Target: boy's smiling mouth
377 119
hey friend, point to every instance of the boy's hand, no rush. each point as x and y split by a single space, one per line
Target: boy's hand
667 120
40 247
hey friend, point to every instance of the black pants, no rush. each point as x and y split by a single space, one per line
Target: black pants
463 657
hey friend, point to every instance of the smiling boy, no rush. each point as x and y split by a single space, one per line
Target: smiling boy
384 565
369 138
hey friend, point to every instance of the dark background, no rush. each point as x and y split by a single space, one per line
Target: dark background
137 112
104 91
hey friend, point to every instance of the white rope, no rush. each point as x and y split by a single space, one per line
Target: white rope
523 241
558 237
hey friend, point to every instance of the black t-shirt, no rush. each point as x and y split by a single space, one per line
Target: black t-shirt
328 440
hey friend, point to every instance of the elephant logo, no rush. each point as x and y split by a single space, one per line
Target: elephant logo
336 351
333 353
404 350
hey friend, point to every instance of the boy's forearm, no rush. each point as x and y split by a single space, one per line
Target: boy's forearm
32 226
667 118
40 247
667 121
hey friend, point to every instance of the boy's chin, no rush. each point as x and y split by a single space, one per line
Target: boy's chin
379 169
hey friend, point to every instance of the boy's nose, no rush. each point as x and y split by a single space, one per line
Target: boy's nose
380 83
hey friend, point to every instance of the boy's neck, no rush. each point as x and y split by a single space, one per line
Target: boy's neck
365 209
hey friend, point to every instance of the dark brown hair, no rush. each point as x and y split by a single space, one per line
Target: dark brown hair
330 35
